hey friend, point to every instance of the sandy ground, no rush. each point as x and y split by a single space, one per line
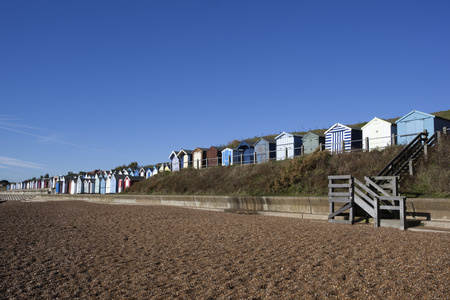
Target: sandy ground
75 250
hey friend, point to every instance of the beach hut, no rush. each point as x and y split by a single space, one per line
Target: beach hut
288 145
58 187
378 134
80 185
108 184
312 141
214 156
265 150
73 185
199 157
247 151
114 184
148 173
410 125
120 179
230 156
338 135
102 185
185 157
89 185
97 184
175 161
130 180
164 167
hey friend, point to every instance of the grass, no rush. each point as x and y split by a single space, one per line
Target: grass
303 176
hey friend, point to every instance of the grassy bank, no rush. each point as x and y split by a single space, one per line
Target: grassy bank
303 176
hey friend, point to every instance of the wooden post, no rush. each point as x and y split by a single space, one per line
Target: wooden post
320 147
402 213
438 136
444 130
411 167
393 139
254 157
302 150
367 143
330 191
394 186
425 150
351 215
342 146
376 213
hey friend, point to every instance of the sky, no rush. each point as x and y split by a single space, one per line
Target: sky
88 85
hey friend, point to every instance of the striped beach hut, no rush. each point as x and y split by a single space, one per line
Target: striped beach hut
340 136
265 150
288 145
378 134
410 125
313 141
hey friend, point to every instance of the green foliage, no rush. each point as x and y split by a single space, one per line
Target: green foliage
132 165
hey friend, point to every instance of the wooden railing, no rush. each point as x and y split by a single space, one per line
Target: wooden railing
401 161
371 197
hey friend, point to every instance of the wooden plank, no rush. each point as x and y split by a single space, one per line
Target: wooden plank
367 208
340 194
339 211
376 178
368 180
387 207
339 176
336 185
366 189
365 197
390 198
339 199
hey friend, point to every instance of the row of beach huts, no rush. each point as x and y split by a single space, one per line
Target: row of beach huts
376 134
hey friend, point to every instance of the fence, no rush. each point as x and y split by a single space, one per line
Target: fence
289 152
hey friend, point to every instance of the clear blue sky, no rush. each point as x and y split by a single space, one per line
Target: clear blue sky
97 84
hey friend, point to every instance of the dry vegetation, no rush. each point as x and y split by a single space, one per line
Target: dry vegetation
305 175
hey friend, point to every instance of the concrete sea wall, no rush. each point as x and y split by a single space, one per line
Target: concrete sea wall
421 209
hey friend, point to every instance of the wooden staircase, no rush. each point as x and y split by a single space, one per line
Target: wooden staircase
407 158
378 196
379 201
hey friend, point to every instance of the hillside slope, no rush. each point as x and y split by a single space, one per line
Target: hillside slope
303 175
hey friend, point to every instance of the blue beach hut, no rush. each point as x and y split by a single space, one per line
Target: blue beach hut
247 149
265 150
410 125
